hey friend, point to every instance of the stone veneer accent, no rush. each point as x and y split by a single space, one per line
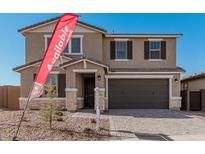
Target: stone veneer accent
101 92
80 102
71 99
175 103
36 103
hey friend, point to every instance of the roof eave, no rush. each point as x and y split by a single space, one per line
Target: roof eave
40 24
144 35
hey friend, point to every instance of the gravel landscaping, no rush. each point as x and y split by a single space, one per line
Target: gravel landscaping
33 128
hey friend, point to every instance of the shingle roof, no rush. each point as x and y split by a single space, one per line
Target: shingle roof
26 65
194 77
73 59
33 63
53 19
145 35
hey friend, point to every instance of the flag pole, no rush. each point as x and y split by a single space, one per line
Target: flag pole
19 125
40 80
22 116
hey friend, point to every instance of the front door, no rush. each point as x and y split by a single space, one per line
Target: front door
89 85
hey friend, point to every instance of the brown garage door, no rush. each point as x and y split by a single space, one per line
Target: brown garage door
138 93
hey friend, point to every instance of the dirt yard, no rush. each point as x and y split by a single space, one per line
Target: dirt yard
33 128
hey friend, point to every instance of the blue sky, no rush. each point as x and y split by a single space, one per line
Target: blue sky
190 48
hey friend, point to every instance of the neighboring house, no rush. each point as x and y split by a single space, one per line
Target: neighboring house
132 71
193 92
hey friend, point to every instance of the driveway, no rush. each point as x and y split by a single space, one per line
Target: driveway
140 124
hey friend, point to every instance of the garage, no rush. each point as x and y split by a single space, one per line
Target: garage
138 93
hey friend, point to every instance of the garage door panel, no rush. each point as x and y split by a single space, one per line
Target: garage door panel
138 93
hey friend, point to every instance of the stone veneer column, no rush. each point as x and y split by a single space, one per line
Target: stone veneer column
175 103
101 98
71 99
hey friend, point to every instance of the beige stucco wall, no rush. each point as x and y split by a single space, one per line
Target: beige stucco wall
176 86
74 83
35 45
73 79
138 55
96 46
196 85
27 76
79 85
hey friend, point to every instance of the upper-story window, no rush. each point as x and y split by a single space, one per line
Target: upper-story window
121 50
74 46
155 50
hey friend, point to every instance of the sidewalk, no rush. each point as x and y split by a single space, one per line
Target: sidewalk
188 137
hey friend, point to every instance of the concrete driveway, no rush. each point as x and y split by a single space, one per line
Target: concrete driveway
140 124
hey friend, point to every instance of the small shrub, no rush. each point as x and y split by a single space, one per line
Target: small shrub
49 109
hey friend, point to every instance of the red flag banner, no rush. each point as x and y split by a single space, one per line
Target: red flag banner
56 46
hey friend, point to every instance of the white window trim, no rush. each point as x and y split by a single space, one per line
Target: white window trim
121 39
46 36
125 59
55 72
160 52
69 45
122 59
155 60
84 70
81 45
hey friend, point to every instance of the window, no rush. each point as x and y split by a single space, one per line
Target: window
48 40
121 50
155 50
74 46
51 80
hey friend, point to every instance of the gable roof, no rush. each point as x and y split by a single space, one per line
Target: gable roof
80 59
194 77
24 66
34 63
52 20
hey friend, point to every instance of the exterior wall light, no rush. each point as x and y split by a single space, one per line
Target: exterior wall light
99 77
176 80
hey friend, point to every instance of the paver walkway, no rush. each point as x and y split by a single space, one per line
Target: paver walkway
146 124
154 125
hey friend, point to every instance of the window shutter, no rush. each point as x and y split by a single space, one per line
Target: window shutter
163 49
129 50
146 50
61 85
112 49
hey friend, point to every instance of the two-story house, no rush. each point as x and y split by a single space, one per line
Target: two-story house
132 71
